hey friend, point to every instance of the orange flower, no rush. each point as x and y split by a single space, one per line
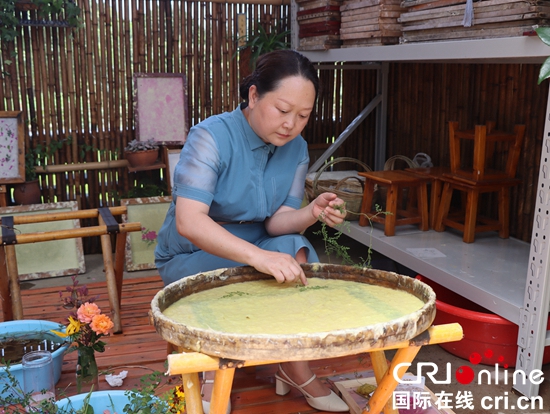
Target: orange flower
101 324
87 311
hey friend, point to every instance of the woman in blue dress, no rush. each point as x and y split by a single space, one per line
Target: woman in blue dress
238 190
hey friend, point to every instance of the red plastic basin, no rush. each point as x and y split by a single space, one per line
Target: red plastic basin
485 333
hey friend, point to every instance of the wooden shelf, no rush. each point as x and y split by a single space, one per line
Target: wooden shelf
156 166
491 271
523 49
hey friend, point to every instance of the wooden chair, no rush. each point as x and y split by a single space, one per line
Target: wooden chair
484 138
393 215
479 179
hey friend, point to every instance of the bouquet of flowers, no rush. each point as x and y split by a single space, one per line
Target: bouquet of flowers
86 326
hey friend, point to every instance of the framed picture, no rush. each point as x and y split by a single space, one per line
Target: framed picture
12 147
173 158
140 246
50 258
160 107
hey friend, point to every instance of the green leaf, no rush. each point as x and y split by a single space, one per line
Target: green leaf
544 72
544 34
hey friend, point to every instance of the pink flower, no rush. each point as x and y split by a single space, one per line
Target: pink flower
87 311
101 324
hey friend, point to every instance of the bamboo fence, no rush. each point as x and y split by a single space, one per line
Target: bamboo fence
77 85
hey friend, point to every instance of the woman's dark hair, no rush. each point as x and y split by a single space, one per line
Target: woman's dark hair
273 67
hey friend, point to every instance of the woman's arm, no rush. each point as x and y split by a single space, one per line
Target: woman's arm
193 222
327 208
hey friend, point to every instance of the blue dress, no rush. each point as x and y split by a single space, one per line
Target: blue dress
225 165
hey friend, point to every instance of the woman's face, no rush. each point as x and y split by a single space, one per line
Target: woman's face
280 115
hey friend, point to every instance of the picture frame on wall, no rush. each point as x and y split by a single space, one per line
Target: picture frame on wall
160 107
140 246
12 147
49 258
173 156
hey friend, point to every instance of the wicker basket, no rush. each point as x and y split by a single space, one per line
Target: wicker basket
345 184
391 162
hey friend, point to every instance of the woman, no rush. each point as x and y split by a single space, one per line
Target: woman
238 190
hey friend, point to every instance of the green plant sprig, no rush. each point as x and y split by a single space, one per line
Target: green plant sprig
332 245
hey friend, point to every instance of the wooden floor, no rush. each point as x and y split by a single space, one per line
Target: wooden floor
140 350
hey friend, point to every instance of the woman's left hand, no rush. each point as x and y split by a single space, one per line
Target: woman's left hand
329 209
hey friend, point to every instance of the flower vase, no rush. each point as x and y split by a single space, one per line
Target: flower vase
87 377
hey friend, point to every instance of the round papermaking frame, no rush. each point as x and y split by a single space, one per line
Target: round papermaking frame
293 347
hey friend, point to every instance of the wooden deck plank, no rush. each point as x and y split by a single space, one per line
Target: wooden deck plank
140 350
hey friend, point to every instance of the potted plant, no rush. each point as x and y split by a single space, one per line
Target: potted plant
66 11
256 46
29 191
141 153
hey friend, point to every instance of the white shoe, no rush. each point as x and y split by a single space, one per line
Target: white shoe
206 404
330 402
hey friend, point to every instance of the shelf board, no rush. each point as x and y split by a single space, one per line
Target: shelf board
491 271
156 166
523 49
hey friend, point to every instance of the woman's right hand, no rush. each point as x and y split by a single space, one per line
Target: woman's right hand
283 267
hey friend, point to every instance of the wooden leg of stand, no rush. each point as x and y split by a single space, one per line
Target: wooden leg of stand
192 390
13 274
5 294
385 388
107 249
223 381
380 367
120 250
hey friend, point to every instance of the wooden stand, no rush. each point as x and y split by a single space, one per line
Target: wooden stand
189 364
9 280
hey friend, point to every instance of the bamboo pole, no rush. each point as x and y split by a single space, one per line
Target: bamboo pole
100 230
380 367
5 294
192 390
221 393
83 166
110 277
15 291
66 215
386 386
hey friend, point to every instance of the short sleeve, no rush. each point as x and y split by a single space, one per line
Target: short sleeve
296 193
196 173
